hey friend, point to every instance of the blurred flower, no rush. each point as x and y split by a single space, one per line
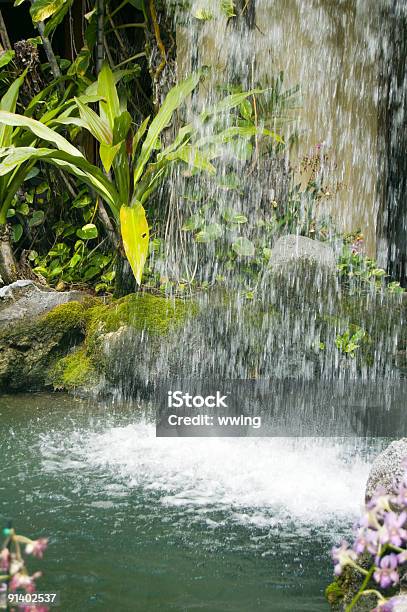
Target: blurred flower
23 581
37 547
392 531
367 540
395 604
400 499
343 555
386 573
4 560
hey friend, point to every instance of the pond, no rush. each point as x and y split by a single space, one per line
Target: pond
137 522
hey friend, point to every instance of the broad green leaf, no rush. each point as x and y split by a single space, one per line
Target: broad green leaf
107 154
16 232
42 9
87 232
82 200
57 17
40 130
23 208
203 15
243 247
121 127
193 223
193 157
78 166
246 110
37 218
135 235
173 100
232 217
209 233
6 57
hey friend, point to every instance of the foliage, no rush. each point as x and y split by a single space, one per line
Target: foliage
359 271
136 169
349 341
379 551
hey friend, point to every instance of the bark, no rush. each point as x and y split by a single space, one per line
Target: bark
100 43
56 72
5 41
8 266
392 186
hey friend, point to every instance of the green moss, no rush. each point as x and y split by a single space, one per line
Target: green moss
334 593
151 313
73 371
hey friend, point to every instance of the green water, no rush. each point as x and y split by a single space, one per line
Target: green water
139 523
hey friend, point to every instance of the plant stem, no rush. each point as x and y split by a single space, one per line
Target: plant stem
362 588
100 47
130 59
4 34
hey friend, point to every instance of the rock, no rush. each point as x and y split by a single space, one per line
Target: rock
24 298
293 249
30 345
389 467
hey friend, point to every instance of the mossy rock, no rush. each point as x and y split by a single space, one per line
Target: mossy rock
28 347
120 337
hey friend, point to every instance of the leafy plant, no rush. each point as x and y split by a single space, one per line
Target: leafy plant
349 342
132 167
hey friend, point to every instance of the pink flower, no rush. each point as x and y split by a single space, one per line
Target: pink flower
37 547
4 560
386 574
23 581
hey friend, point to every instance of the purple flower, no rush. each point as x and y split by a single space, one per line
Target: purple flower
392 531
386 574
401 494
366 540
402 557
343 555
395 604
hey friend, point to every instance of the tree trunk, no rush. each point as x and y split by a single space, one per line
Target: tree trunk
8 264
392 187
125 282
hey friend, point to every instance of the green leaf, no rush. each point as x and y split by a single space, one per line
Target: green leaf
40 130
57 18
229 102
231 217
139 134
75 259
246 110
82 200
99 128
193 223
8 103
42 9
135 235
173 100
16 232
37 218
23 208
88 232
109 107
6 57
203 15
193 157
228 8
243 247
209 233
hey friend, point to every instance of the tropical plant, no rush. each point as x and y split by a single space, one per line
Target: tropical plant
133 164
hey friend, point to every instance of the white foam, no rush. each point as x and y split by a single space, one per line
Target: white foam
256 480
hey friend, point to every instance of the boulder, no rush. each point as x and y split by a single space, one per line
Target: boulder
37 325
25 299
389 467
293 249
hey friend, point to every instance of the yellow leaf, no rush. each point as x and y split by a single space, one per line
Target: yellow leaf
135 234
